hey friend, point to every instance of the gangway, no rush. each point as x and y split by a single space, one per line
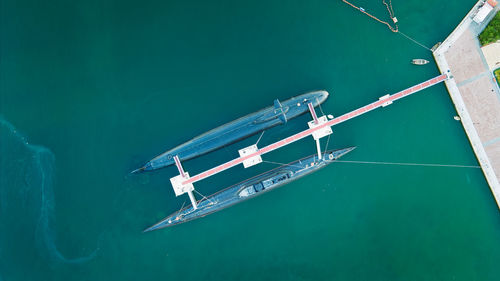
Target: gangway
318 128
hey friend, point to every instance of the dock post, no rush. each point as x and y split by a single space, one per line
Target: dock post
193 200
318 147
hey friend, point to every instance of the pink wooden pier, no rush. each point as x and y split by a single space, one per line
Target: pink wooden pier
383 101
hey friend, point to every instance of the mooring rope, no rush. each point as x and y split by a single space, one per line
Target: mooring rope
320 108
389 9
392 163
391 15
408 164
415 41
203 196
281 164
260 137
178 212
326 146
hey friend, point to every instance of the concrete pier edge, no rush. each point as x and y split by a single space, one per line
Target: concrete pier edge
456 97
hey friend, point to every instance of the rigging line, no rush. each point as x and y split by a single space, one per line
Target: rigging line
409 164
204 197
326 146
181 207
260 138
391 15
415 41
281 164
320 108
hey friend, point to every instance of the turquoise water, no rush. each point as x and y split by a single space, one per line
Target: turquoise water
92 90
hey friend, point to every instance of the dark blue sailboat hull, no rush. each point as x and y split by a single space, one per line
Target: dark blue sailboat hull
238 129
252 187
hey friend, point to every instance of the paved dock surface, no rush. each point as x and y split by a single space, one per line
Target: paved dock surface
475 93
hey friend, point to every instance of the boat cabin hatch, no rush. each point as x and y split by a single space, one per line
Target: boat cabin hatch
260 186
274 180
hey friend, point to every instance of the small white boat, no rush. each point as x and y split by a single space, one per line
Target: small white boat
419 61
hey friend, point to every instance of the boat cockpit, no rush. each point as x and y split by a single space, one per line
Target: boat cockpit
265 184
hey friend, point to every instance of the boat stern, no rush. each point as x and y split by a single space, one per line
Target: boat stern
146 167
320 97
333 155
316 97
168 221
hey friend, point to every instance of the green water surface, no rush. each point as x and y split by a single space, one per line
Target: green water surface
90 90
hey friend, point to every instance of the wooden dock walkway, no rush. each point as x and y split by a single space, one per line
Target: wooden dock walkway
384 101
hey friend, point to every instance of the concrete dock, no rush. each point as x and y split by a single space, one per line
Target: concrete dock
474 92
